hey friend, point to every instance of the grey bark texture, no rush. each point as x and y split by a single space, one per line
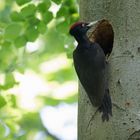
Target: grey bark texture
124 73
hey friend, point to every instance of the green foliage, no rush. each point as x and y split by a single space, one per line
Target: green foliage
57 1
21 22
9 81
2 101
20 41
41 27
28 11
32 33
47 17
12 31
16 16
13 101
43 6
53 102
21 2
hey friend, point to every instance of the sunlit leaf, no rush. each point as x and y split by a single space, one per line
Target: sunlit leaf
47 17
31 120
63 27
69 46
69 2
21 2
21 68
54 42
14 128
74 17
41 27
43 6
4 14
16 16
33 21
6 44
11 67
57 1
9 81
54 102
60 75
69 51
72 9
51 101
2 131
49 138
32 33
71 99
63 12
13 100
20 41
2 101
28 11
12 31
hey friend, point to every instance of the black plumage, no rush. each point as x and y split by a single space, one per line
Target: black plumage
90 65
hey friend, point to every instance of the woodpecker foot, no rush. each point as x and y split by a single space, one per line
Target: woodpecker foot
106 107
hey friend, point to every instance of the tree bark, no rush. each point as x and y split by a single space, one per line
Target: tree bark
124 73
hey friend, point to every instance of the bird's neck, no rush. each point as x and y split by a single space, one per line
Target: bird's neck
83 40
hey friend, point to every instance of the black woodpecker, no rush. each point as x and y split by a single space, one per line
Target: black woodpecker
90 65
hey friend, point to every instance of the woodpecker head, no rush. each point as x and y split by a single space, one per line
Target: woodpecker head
79 29
101 32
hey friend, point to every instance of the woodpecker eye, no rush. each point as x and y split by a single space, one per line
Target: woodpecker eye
83 25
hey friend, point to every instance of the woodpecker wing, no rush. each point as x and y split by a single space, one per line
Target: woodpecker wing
89 62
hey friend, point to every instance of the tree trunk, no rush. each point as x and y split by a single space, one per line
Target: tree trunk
124 73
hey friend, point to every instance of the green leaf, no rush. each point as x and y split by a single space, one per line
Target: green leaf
74 18
73 9
63 11
21 2
69 2
12 31
21 68
70 46
4 13
41 27
31 121
9 81
12 100
61 76
2 101
6 44
52 35
33 21
2 131
71 99
69 51
15 16
47 17
63 27
51 101
44 6
57 1
20 41
28 11
32 33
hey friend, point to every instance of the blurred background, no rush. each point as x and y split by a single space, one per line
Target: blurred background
38 85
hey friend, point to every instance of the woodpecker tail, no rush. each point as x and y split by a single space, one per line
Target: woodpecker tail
106 106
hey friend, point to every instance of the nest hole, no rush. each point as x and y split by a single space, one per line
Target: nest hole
103 34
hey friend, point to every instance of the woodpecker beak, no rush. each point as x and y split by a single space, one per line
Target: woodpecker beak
91 24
